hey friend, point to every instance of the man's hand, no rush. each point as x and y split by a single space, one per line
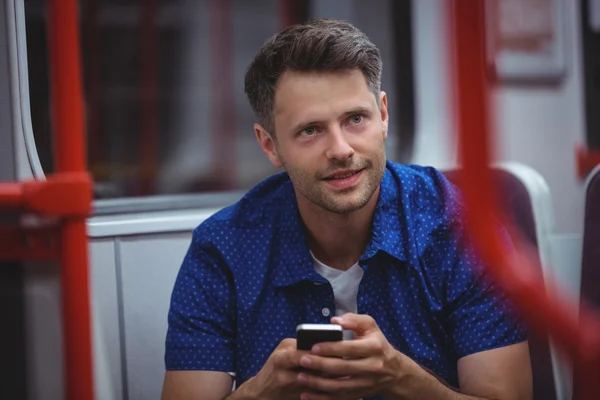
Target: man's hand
369 363
278 379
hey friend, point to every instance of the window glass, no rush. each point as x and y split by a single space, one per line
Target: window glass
163 86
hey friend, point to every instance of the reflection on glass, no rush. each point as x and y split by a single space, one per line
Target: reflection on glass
163 85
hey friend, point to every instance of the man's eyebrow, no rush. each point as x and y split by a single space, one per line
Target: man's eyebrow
358 110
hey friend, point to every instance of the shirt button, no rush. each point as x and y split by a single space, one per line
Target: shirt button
326 312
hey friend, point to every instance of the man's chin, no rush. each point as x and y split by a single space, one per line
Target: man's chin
344 207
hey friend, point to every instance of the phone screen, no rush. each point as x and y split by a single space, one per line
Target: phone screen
308 335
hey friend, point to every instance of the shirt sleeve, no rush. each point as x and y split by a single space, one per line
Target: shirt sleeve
481 317
478 314
201 331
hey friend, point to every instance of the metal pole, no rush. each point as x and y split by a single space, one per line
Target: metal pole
580 339
68 129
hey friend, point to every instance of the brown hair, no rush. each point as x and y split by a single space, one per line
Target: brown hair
320 45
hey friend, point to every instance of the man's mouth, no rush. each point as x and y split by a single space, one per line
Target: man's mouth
342 175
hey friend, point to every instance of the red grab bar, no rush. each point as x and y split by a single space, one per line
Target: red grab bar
149 109
68 129
545 313
11 196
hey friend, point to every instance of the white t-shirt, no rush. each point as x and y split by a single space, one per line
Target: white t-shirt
345 287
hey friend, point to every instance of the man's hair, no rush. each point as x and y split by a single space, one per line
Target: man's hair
320 45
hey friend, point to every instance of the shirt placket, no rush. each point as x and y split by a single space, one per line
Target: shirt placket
363 297
321 307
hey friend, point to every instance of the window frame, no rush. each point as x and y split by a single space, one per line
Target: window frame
404 109
27 160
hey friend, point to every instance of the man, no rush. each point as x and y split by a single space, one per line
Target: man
342 236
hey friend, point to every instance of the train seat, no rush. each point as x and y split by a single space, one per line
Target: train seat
590 258
525 196
590 263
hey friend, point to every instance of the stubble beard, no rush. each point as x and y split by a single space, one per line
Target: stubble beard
316 190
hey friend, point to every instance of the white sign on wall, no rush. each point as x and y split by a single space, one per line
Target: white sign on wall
526 39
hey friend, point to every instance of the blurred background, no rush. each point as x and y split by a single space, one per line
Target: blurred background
165 103
170 141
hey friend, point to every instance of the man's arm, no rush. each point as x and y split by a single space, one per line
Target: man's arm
277 380
500 374
201 316
374 367
191 385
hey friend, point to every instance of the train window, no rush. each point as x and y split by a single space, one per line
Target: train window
163 86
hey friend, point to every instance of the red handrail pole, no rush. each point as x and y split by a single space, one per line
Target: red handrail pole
66 86
149 111
68 129
11 195
286 13
581 341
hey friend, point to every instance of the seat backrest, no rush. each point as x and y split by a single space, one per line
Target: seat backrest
590 262
590 257
515 200
520 191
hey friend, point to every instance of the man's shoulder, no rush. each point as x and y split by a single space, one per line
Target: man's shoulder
254 210
416 177
424 187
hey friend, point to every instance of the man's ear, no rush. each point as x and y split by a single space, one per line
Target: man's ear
383 108
267 144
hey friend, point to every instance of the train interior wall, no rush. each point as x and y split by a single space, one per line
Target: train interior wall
135 258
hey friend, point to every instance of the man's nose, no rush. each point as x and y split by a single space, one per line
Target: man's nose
338 146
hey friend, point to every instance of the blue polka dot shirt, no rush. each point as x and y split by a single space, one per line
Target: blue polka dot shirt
248 280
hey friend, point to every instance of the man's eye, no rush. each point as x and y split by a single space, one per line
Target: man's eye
308 131
356 119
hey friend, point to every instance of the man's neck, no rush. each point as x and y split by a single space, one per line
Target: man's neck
338 240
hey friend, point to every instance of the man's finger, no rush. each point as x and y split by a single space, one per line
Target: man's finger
361 324
335 386
357 348
327 396
339 366
288 343
288 358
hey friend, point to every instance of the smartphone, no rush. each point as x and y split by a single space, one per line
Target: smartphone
307 335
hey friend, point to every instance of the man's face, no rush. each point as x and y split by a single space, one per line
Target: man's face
330 137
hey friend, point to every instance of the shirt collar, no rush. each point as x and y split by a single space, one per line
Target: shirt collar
293 263
388 221
292 260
